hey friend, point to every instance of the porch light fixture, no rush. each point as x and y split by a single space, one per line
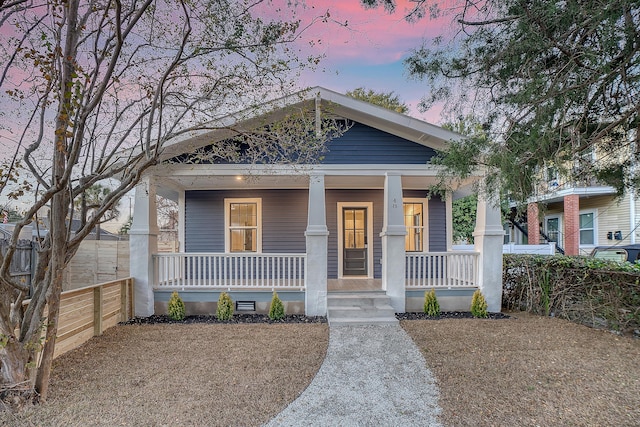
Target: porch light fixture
239 178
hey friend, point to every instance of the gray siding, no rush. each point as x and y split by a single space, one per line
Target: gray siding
332 199
437 225
284 219
366 145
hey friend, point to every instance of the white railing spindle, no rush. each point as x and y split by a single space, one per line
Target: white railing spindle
441 269
209 270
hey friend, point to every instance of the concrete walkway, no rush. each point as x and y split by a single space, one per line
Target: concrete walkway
371 376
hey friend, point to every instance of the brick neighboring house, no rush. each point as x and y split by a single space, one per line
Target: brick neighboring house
578 216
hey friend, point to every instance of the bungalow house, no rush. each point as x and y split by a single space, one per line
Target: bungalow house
360 219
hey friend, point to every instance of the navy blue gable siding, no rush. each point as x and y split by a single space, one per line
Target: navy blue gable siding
284 219
360 144
437 219
366 145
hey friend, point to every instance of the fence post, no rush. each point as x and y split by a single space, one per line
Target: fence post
97 311
124 300
131 297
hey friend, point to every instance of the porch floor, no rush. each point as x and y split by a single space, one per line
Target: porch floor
354 284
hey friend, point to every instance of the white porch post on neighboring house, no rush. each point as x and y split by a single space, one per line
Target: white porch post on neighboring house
488 238
317 236
143 243
393 242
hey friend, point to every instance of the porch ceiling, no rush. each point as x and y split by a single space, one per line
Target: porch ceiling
172 180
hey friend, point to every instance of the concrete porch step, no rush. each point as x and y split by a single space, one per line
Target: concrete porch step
360 308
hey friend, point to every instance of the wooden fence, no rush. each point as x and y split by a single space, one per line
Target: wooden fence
88 311
21 263
97 261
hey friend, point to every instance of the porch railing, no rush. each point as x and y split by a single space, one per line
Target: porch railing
230 271
441 270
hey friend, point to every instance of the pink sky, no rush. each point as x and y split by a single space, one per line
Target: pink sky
369 50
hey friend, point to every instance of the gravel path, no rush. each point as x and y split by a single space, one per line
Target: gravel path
371 376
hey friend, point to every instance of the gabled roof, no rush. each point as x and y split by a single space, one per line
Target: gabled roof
337 104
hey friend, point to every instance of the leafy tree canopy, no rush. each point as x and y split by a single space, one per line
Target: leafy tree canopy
387 100
464 218
549 80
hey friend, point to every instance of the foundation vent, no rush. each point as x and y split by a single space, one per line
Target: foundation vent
245 306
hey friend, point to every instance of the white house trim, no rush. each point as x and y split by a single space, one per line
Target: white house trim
369 206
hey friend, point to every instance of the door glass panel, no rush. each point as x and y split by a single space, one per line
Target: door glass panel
349 239
355 241
359 220
349 220
354 228
553 228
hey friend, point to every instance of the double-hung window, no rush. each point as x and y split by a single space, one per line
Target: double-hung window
243 225
415 220
587 228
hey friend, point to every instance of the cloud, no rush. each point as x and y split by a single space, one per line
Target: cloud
350 31
370 35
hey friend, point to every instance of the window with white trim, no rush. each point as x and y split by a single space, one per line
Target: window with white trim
587 228
415 212
243 225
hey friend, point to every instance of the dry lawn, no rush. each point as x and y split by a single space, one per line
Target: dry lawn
198 374
530 371
525 371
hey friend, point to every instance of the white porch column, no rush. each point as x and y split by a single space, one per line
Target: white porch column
449 218
393 241
488 238
143 242
181 221
317 236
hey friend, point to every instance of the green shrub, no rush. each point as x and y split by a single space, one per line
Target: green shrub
478 305
176 307
224 311
276 309
431 305
595 292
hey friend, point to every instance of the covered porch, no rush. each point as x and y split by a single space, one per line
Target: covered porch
306 277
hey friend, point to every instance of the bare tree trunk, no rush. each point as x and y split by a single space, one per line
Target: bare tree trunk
61 200
15 358
53 302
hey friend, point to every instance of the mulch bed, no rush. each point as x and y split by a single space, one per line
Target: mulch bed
237 318
448 315
294 318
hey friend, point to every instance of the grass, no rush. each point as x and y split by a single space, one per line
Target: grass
528 370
